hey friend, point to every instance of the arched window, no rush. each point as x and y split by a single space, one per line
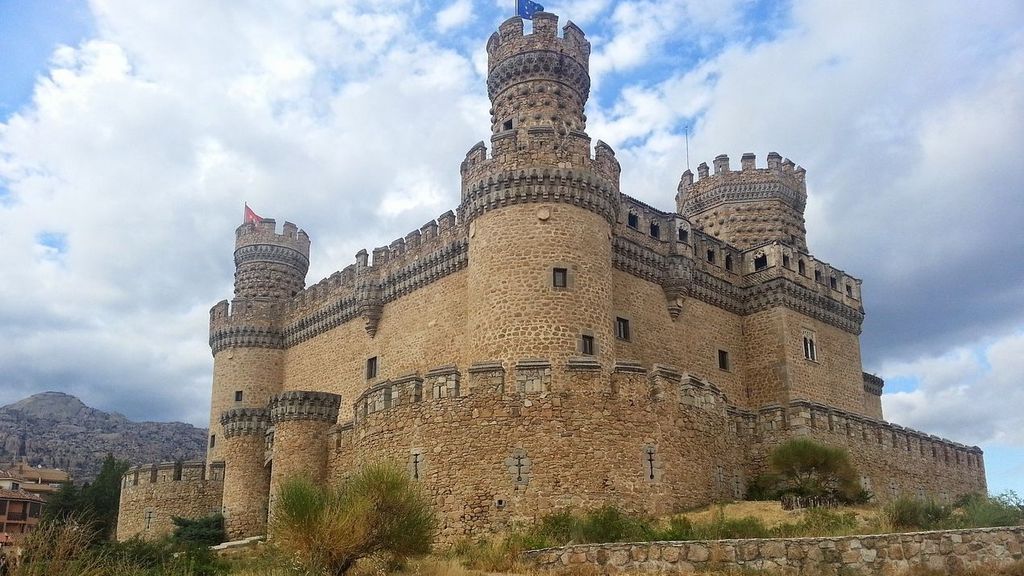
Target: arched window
684 235
760 262
655 229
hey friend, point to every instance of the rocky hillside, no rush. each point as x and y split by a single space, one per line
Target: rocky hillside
57 430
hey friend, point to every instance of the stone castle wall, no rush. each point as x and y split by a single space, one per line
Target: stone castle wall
152 494
949 551
585 437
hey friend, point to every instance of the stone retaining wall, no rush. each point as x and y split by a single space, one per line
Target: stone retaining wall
878 554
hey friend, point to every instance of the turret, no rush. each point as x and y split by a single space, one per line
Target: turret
541 207
247 346
269 265
750 206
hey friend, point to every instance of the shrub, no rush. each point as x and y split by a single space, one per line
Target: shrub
978 511
376 511
60 549
206 531
911 514
807 468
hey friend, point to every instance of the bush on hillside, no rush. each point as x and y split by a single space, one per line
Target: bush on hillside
377 511
807 468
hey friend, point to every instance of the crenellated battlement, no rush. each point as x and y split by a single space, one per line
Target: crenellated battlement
536 377
749 206
162 472
855 429
244 422
510 40
304 405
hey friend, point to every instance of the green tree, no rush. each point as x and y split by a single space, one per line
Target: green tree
100 499
65 503
807 468
377 511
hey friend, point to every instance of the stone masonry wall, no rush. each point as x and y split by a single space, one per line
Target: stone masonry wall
887 554
893 461
651 442
150 495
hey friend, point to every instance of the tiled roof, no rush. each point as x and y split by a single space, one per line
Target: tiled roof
19 495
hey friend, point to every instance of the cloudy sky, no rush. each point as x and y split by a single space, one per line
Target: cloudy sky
131 133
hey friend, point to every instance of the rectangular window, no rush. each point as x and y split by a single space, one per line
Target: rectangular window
633 221
785 261
587 345
832 282
371 368
849 291
684 235
560 277
711 256
238 395
213 440
723 360
622 328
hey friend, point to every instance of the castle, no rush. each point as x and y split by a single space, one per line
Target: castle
552 343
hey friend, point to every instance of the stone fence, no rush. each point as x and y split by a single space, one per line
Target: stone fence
946 550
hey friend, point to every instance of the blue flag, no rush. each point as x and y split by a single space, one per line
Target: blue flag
526 8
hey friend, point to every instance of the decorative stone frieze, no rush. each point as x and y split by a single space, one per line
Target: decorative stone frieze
244 337
579 187
244 421
304 405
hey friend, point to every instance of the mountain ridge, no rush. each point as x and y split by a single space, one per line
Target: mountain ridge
58 430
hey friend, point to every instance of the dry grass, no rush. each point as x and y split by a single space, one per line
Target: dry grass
772 514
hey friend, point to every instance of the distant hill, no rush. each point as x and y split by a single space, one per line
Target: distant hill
57 430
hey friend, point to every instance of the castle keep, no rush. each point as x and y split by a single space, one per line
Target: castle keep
551 343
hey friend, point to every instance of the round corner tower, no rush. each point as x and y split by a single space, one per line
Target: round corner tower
748 207
540 207
247 346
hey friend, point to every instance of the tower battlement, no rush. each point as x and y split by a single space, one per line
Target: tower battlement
749 206
269 265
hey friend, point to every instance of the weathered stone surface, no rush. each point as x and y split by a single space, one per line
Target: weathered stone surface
847 554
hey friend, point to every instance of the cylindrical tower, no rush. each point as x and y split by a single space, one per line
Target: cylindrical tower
247 346
301 422
246 479
540 209
750 206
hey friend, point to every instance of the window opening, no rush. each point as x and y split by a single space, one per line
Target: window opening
711 256
810 352
519 464
560 277
238 395
684 235
177 471
761 262
149 516
817 276
656 230
507 125
622 328
849 291
587 345
832 282
801 268
785 260
728 262
371 367
650 462
416 466
633 221
213 440
723 360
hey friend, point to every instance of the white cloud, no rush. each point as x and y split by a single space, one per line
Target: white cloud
454 15
970 395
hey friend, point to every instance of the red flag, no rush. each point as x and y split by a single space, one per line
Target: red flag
251 217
